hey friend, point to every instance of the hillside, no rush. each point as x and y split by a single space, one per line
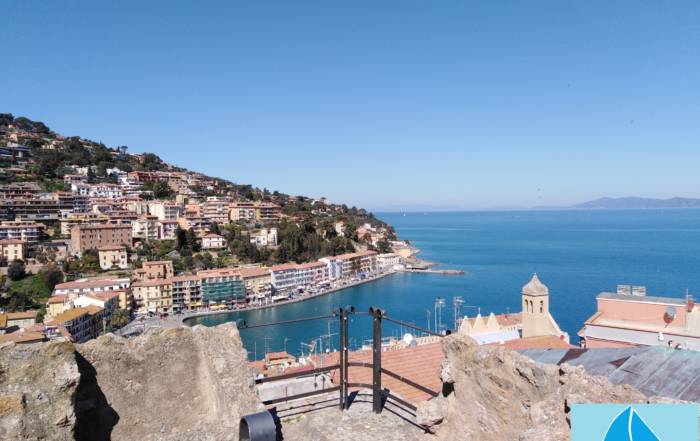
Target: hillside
639 203
51 182
33 152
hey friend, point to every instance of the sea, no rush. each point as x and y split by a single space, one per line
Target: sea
576 253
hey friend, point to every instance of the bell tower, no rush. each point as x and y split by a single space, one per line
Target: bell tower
535 314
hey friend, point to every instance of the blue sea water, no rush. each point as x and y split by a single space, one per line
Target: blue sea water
577 254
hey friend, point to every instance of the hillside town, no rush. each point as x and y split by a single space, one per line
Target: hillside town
93 237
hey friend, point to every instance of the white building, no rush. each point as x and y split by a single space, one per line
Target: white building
146 227
388 262
284 277
264 238
213 241
167 229
165 210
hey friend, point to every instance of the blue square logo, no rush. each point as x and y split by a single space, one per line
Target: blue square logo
634 422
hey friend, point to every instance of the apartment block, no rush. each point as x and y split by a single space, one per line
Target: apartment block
69 220
155 269
351 264
222 286
11 249
154 295
257 281
216 209
167 229
27 231
187 292
112 257
254 211
146 228
164 210
82 324
94 236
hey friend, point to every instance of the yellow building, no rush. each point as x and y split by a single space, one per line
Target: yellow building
11 249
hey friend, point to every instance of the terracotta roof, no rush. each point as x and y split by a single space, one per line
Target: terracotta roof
22 315
284 267
253 272
219 272
104 296
277 355
94 309
90 283
68 315
22 337
60 298
11 242
420 364
154 282
112 248
185 278
311 265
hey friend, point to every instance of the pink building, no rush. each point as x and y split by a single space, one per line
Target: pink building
625 320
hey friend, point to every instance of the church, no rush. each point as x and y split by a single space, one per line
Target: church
533 327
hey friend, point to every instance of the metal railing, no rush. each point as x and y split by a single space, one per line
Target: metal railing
344 385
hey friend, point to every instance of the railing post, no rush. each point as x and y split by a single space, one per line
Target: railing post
376 359
343 359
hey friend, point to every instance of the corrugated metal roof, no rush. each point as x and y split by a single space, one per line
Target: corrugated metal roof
652 370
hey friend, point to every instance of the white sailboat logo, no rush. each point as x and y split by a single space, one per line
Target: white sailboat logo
629 426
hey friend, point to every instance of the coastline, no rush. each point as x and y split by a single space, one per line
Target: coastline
188 317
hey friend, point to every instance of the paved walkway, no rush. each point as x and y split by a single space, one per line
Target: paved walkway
139 325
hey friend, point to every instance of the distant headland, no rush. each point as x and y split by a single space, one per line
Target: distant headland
638 202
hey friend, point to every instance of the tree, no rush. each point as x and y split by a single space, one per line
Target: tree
384 246
51 276
16 270
120 317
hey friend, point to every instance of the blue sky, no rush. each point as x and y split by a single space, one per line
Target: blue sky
451 104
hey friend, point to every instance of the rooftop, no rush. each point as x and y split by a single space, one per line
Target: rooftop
655 371
642 299
67 316
253 272
30 314
89 283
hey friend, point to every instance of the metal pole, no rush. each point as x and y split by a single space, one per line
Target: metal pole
345 350
342 359
377 360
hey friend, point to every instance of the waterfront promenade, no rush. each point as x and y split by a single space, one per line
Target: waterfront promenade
141 324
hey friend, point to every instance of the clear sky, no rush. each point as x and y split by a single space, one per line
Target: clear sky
382 104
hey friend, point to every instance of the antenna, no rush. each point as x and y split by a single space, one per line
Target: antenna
439 304
457 302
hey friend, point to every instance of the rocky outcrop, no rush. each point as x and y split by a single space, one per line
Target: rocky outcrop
182 384
170 384
495 394
38 384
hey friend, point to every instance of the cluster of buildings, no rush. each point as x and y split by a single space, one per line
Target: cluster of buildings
99 215
85 308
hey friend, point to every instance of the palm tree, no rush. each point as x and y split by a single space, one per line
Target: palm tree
119 318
